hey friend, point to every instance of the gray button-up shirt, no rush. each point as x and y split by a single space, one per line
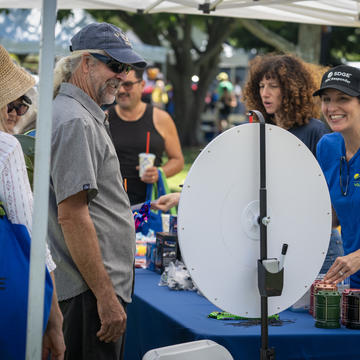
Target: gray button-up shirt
84 158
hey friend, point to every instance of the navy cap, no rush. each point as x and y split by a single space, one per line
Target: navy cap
344 78
107 37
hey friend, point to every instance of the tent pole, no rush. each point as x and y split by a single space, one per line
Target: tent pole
41 183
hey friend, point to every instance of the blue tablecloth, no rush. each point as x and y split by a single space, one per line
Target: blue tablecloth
160 317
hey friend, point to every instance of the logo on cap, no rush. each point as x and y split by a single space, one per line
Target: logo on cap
123 36
338 76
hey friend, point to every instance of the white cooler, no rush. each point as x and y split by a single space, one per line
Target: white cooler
194 350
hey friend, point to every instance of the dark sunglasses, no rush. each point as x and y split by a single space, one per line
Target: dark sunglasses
128 85
20 108
113 65
344 183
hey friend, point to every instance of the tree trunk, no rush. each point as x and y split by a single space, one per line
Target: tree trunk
309 39
189 60
183 100
189 104
268 36
309 42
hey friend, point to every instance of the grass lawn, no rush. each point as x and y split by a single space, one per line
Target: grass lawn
190 154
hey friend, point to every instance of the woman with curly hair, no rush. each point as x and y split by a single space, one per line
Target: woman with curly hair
281 88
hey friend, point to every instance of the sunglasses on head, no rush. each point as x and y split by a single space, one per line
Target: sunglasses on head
19 107
128 85
115 66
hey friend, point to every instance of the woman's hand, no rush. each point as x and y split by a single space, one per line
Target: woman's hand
166 202
343 267
53 340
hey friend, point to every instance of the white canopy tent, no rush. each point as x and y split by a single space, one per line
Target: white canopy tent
20 34
326 12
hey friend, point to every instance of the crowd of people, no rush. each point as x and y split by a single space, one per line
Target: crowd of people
91 232
223 100
284 88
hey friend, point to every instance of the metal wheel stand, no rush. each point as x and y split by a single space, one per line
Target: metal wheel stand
269 283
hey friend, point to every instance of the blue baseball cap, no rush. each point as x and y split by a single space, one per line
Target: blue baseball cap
107 37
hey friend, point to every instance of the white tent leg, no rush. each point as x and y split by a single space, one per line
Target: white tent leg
41 183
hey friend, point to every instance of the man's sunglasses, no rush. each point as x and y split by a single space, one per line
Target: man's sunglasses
19 107
113 65
128 85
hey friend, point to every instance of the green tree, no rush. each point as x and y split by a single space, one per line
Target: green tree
343 44
328 45
176 30
302 39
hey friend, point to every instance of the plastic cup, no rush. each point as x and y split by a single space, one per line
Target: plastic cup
165 218
345 284
146 160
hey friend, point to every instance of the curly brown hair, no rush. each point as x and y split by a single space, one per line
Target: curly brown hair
297 84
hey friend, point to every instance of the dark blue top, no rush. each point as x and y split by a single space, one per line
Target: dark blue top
311 133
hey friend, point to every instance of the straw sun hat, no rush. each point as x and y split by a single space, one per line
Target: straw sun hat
14 81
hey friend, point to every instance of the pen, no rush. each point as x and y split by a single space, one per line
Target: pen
282 256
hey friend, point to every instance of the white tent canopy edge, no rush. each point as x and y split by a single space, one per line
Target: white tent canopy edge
322 12
20 34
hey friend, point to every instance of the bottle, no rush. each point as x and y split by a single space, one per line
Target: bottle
345 284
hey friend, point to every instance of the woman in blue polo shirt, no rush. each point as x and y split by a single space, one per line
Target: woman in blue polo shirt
339 157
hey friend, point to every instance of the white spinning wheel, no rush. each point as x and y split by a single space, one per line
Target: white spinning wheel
218 218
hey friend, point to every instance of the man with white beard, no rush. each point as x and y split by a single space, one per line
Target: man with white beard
91 228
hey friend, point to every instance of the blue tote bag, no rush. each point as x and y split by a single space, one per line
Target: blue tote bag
14 285
153 191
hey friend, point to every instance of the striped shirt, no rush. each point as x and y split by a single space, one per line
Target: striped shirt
15 191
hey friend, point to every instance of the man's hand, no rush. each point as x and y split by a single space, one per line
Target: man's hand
150 175
113 319
82 242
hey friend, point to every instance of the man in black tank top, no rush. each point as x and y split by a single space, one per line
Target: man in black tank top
130 121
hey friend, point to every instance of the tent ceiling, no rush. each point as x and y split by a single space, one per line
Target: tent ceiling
20 33
323 12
